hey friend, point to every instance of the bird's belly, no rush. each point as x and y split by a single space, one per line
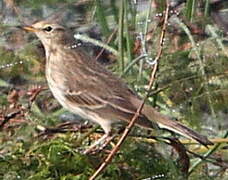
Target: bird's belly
58 94
83 112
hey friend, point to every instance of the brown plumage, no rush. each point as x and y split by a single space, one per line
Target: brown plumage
85 87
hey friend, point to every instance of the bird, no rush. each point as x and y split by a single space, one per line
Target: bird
85 87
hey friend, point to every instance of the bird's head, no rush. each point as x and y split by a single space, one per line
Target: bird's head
48 33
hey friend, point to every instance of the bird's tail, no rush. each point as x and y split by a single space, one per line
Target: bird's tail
177 127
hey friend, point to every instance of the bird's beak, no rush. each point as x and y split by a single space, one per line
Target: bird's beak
29 28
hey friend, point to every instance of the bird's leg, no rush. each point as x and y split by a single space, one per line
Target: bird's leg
100 144
106 142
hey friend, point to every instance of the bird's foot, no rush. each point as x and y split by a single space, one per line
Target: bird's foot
100 144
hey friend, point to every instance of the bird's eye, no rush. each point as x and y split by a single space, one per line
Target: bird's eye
48 29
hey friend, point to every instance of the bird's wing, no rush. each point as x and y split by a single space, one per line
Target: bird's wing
90 85
111 107
95 88
94 101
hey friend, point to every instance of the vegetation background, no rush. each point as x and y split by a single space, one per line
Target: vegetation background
38 142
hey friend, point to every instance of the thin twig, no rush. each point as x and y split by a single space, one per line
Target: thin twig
215 161
96 42
133 120
8 117
107 42
211 151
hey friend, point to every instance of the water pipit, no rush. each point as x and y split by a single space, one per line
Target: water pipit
86 88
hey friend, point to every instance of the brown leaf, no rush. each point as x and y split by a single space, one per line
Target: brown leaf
13 97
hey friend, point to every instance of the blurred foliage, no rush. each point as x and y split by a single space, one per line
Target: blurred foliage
191 86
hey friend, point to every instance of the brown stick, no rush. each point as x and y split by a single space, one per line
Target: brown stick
131 124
